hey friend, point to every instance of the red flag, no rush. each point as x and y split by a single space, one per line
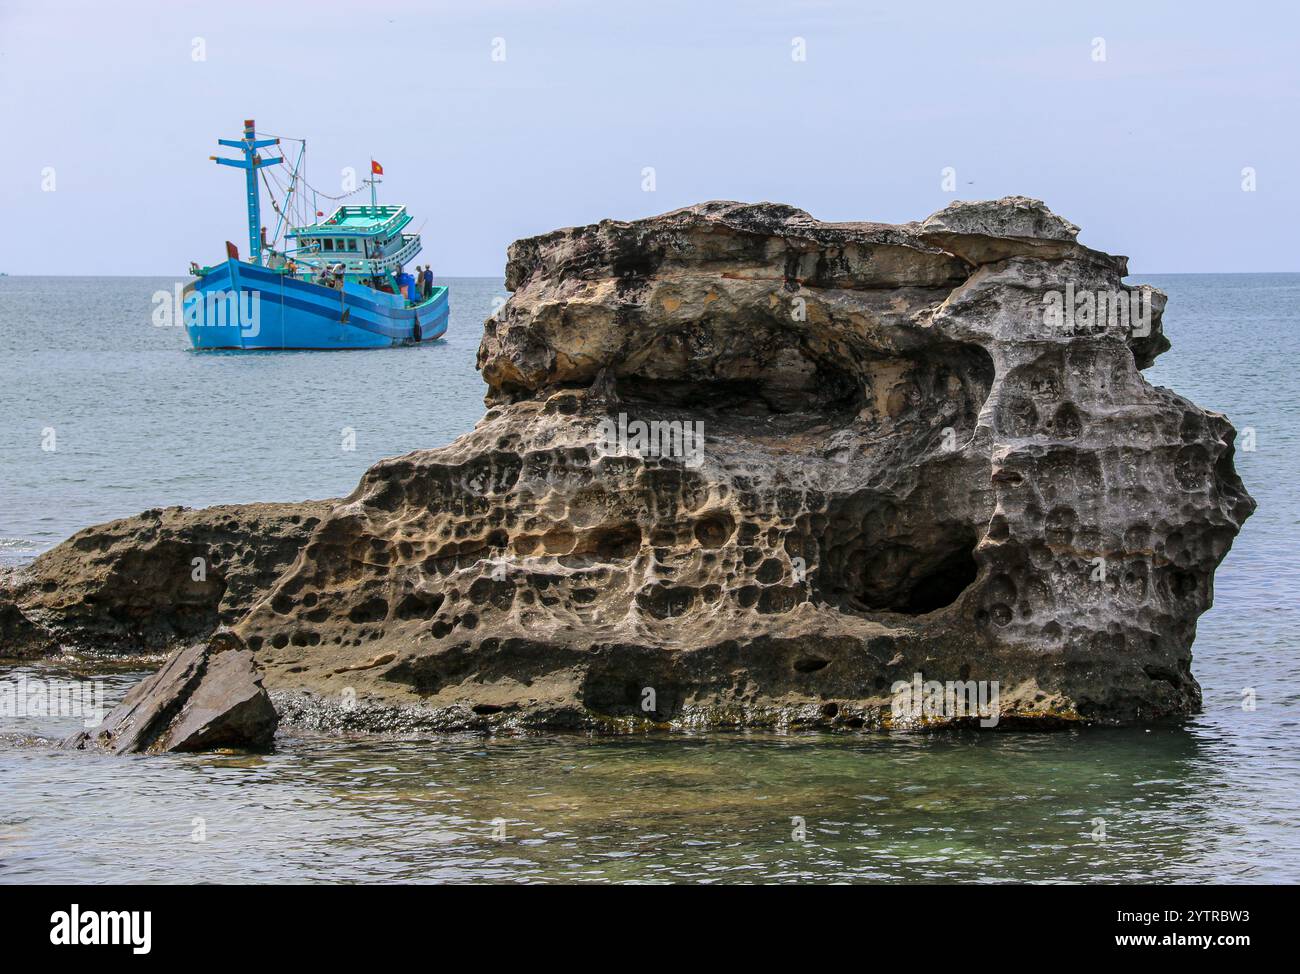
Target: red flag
375 168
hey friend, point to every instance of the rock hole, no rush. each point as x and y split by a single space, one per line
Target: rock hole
371 610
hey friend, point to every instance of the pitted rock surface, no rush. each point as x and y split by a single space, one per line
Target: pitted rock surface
905 468
161 579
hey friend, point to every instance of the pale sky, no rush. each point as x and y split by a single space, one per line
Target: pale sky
1144 149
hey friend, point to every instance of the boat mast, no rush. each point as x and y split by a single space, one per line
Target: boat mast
251 162
374 206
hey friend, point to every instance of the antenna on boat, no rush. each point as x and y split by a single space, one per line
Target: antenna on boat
251 163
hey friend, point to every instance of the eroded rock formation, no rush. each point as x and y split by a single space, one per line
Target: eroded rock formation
163 578
907 466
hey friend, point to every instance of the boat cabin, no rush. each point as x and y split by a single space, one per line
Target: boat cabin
367 240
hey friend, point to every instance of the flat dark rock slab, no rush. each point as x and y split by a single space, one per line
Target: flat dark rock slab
203 698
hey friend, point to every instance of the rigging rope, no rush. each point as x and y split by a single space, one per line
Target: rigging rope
302 174
327 195
299 214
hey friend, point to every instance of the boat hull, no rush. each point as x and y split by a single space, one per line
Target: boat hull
238 305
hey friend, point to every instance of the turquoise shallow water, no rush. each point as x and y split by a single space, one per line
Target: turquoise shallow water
141 421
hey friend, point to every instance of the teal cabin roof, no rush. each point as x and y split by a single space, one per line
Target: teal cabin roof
357 221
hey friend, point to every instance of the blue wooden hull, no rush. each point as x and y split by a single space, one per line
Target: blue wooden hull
245 306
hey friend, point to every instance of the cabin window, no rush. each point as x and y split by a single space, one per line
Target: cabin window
329 243
352 246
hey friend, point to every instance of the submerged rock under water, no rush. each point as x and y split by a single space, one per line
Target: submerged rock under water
739 467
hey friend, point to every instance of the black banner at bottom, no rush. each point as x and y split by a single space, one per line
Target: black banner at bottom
301 923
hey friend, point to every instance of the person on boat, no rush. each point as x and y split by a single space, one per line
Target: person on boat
426 279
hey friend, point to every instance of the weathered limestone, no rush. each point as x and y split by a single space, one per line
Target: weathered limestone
908 465
134 584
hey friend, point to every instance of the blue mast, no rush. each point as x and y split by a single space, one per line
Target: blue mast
251 162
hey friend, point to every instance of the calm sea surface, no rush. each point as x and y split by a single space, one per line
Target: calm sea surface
139 420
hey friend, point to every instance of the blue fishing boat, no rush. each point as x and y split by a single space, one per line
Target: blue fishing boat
338 282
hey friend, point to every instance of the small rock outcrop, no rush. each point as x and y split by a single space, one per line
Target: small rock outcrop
744 467
20 638
204 698
164 578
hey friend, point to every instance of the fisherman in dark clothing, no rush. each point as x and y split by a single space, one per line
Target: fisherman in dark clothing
426 279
